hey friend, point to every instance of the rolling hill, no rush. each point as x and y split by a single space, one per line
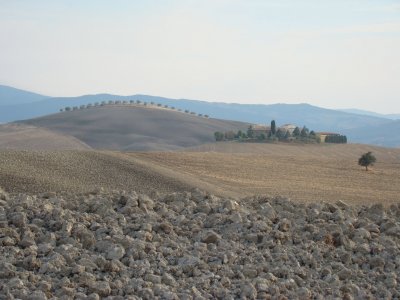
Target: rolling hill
135 127
80 171
353 123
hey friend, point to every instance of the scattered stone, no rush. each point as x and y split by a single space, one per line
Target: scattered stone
121 245
211 237
115 252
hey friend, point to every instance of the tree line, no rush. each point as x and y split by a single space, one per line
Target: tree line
125 102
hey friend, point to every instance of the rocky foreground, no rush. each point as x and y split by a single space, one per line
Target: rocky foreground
120 245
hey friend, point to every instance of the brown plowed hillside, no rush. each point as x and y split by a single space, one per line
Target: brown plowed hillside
135 127
300 172
28 137
80 171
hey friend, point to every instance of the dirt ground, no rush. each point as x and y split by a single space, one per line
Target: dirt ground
300 172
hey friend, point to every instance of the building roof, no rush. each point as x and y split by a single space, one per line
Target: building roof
328 133
260 127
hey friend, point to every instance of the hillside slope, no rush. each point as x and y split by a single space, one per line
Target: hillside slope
27 137
307 173
79 171
135 127
13 96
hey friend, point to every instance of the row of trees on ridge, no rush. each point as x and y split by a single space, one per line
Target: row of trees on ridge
131 102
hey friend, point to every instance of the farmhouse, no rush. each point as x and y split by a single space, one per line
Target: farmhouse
259 130
288 127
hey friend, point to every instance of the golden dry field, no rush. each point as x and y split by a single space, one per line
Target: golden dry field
300 172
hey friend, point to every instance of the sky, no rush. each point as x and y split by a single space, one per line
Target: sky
329 53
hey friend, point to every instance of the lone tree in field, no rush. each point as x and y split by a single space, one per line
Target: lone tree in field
367 159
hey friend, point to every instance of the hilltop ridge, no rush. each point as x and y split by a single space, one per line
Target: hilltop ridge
135 127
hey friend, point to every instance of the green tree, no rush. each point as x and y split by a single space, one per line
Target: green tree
296 132
239 134
250 132
287 135
366 160
273 127
280 134
219 136
229 135
304 132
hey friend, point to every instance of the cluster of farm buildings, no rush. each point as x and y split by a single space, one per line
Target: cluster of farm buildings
263 130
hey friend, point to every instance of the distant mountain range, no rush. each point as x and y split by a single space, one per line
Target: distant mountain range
359 126
13 96
371 113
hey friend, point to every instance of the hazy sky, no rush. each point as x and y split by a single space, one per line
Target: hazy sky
330 53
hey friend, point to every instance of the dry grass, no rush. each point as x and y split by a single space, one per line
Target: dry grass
300 172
